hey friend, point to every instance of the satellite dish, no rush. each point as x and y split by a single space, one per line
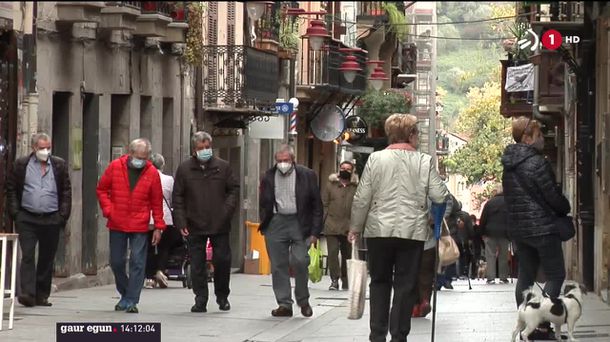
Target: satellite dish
329 123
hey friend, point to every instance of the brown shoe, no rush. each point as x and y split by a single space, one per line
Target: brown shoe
306 310
281 311
26 300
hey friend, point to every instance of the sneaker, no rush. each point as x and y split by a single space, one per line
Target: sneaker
199 307
161 280
132 309
334 285
504 281
491 282
149 284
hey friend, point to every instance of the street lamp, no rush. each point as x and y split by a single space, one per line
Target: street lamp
378 76
350 66
256 9
316 33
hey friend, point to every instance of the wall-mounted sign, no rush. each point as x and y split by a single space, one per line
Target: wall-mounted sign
329 123
357 127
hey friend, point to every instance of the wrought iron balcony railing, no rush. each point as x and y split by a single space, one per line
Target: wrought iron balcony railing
268 26
132 4
238 76
321 68
157 7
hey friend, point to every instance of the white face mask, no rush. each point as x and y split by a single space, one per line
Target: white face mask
43 154
284 167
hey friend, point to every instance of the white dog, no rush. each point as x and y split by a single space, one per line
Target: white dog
537 309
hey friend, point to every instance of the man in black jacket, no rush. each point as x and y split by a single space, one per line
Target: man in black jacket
205 196
291 220
39 198
494 225
534 202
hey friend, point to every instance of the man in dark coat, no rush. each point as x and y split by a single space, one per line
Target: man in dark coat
291 220
534 202
494 226
205 196
39 199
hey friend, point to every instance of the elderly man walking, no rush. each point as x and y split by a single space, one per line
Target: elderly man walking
205 196
39 199
291 220
129 190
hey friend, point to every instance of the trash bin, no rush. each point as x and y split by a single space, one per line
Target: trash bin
257 242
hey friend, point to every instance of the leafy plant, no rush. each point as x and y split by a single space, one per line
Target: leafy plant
519 31
378 105
194 37
289 35
397 21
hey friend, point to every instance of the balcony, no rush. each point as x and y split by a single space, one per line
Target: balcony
368 10
319 70
155 17
71 12
239 76
120 15
565 16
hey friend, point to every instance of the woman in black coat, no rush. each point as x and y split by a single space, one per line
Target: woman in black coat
534 201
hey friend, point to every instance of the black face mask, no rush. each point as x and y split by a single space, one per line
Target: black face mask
345 174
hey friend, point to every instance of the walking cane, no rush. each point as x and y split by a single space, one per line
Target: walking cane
438 212
469 271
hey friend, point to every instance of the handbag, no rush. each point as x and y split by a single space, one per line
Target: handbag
448 251
357 275
564 225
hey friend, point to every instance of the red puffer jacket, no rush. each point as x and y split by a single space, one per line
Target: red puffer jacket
126 210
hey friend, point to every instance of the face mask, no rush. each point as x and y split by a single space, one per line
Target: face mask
343 174
204 155
43 154
539 144
138 163
284 167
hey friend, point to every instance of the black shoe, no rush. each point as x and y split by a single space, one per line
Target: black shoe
26 300
306 310
43 302
224 305
448 286
199 307
281 312
132 309
334 285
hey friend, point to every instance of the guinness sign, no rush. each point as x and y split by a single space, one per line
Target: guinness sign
356 127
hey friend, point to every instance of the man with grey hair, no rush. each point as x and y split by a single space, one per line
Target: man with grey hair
291 220
206 193
129 190
39 199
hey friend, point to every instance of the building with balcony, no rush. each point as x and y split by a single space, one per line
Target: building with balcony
99 74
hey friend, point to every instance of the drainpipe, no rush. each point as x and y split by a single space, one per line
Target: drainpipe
544 118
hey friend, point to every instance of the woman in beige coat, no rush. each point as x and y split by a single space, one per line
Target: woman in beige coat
390 209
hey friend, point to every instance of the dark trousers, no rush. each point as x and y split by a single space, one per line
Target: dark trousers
535 252
129 285
159 255
221 259
425 277
394 264
37 275
335 244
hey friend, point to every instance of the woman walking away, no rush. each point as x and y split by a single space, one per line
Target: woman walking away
390 209
534 201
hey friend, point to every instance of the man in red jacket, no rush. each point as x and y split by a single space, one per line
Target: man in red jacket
128 191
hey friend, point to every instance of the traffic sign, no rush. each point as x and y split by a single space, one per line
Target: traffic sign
284 108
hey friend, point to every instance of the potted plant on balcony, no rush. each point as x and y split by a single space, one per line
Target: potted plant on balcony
397 22
289 39
518 54
149 6
178 11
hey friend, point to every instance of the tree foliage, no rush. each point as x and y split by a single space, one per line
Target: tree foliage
489 133
378 105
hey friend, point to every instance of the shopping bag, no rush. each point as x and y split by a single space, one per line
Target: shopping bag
315 263
448 251
357 276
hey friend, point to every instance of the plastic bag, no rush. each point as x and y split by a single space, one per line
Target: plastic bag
357 275
315 263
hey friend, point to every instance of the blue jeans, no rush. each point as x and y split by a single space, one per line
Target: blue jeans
129 286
